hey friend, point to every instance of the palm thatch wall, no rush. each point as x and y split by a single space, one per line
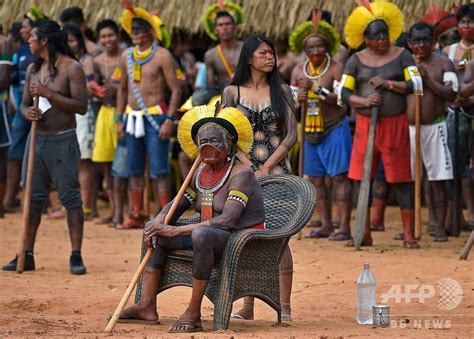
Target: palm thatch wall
275 18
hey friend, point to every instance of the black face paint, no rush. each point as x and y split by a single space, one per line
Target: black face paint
377 30
421 37
140 26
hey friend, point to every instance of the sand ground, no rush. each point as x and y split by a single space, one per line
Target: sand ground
52 302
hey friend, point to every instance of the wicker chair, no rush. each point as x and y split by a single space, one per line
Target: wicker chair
250 263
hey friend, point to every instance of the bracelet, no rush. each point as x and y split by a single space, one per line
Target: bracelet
390 84
119 118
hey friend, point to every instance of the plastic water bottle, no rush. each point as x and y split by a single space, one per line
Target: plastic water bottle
365 296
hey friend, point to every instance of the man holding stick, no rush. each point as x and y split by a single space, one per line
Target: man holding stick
227 196
440 84
57 81
380 76
327 141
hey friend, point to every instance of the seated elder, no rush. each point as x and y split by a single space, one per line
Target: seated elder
225 193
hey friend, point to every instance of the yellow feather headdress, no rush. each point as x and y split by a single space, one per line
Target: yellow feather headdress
159 29
367 12
230 118
211 11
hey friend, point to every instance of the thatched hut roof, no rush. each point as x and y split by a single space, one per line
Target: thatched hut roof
275 18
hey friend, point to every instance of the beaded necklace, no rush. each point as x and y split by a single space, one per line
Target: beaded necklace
138 58
208 193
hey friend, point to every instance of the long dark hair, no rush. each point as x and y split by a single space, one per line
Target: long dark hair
280 98
75 31
57 44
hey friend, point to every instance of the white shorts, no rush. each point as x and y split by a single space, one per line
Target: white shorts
434 151
85 133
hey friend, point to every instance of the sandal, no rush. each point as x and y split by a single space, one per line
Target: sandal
317 235
181 326
340 236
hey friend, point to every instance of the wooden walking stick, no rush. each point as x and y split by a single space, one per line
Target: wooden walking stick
417 166
467 248
146 258
457 177
301 155
364 190
20 265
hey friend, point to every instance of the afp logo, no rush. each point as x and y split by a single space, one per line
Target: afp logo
448 291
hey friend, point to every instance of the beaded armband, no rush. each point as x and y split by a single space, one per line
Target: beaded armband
190 195
238 196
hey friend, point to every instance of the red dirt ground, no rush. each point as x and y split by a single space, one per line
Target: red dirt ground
52 302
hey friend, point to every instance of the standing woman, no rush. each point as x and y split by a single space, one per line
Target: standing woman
257 90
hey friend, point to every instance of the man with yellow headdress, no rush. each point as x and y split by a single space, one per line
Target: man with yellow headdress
220 23
381 75
327 142
225 193
143 116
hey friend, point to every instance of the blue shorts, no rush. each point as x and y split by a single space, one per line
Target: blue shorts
332 155
120 163
157 151
19 131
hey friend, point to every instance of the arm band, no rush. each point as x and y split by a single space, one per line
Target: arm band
451 78
413 80
238 196
190 195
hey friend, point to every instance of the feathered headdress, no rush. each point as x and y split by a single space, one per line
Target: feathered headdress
233 120
440 19
211 11
365 13
318 28
159 29
35 13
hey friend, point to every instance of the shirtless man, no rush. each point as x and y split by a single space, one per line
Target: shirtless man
238 204
221 61
439 87
460 54
327 146
375 77
58 80
147 70
74 15
107 74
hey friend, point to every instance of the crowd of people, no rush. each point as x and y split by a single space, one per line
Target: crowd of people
108 110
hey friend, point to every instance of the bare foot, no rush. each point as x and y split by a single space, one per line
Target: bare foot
366 241
140 312
286 312
245 313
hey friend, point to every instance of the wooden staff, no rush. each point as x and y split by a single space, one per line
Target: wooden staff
146 258
467 248
417 166
302 123
364 190
301 155
457 178
20 265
